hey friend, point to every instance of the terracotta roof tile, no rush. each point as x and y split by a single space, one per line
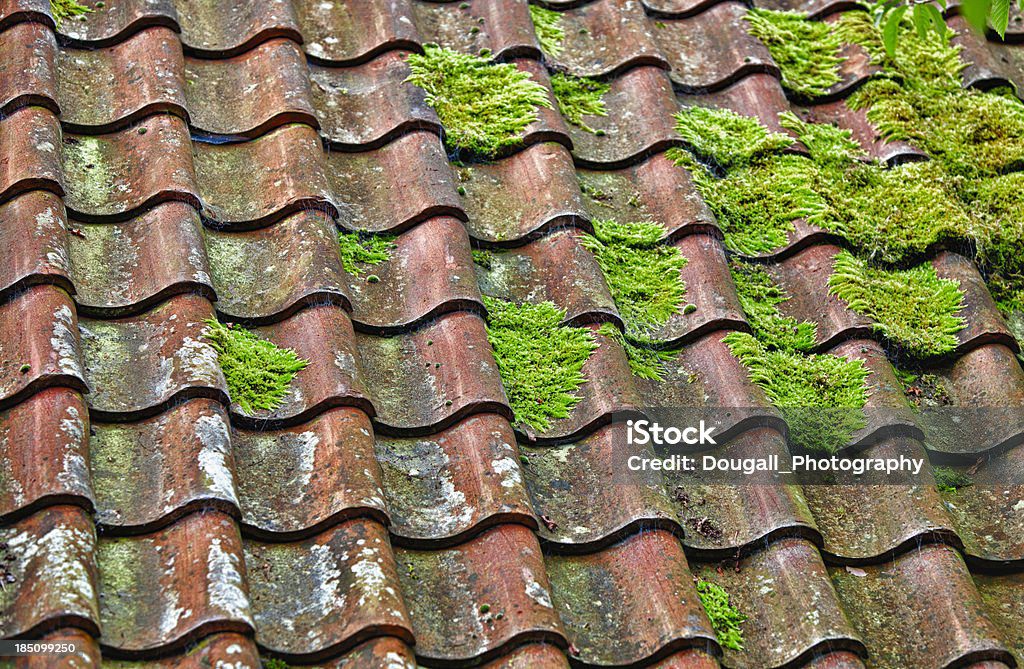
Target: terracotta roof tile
451 485
610 621
266 275
294 482
351 565
368 105
792 610
100 90
164 162
396 186
480 598
26 67
274 85
165 590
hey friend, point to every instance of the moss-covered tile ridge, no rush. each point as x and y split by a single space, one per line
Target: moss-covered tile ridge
484 107
547 23
913 308
760 297
359 250
642 274
821 396
539 359
578 97
807 52
725 618
258 372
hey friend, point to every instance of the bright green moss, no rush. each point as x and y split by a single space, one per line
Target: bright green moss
756 205
539 359
357 250
484 107
274 663
724 617
827 144
644 362
642 275
725 137
912 307
548 25
258 372
66 9
760 299
578 97
807 52
949 480
821 397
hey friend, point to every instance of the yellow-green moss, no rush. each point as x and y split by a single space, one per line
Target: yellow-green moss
821 397
358 250
578 97
726 138
539 359
547 23
484 107
807 52
949 480
760 299
913 308
645 362
725 618
257 371
67 9
642 274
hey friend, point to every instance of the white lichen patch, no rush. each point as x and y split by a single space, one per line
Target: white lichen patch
64 341
213 458
198 360
225 586
535 590
62 559
508 469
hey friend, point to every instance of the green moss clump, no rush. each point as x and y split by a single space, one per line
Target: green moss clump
483 258
258 372
548 25
484 107
578 97
644 362
724 617
760 299
725 137
539 359
358 249
827 144
274 663
821 397
949 480
912 307
807 52
67 9
642 275
756 205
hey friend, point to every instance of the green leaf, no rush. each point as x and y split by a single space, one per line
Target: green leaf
937 21
921 21
892 26
976 13
999 15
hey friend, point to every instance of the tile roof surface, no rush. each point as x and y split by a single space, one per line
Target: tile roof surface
164 162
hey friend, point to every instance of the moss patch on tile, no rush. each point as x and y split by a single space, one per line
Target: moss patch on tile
547 23
949 480
483 258
760 298
642 274
539 359
359 250
821 397
913 308
645 362
484 107
258 372
67 9
725 137
578 97
807 52
725 618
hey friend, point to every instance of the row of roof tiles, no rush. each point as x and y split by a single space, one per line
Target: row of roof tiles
608 572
